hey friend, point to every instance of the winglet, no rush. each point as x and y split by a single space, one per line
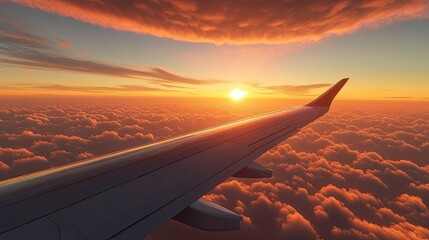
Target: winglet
326 98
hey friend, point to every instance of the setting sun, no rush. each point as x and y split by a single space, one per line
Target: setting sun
237 94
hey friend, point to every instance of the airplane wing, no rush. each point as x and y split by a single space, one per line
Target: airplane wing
128 194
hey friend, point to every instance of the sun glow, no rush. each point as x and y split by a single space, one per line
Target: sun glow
237 94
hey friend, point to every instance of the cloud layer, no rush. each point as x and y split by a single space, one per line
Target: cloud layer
354 174
235 21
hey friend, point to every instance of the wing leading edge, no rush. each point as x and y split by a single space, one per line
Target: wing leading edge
126 195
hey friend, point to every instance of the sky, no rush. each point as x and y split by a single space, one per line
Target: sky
274 49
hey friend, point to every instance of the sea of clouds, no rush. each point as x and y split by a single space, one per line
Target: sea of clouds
359 172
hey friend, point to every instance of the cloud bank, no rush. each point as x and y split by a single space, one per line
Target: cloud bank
353 174
235 21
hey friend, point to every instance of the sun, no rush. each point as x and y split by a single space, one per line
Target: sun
237 94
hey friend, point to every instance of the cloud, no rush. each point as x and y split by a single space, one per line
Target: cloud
18 161
235 21
15 34
4 167
12 154
340 153
413 208
93 89
30 164
351 174
297 227
84 155
47 61
21 47
296 89
64 43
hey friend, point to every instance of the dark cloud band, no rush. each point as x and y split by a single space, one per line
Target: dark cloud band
241 21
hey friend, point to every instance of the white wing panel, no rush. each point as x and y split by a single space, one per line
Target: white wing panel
106 214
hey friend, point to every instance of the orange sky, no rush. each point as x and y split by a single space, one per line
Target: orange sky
142 49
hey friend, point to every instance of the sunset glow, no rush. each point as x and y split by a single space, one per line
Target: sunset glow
237 94
82 79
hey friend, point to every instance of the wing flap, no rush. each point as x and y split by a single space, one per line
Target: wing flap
254 170
208 216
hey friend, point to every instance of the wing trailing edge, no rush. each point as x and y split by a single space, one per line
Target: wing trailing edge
326 98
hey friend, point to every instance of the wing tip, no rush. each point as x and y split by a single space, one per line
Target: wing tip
327 97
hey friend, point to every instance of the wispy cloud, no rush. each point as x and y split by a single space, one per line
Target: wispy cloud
120 88
296 89
64 43
19 46
274 21
399 97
